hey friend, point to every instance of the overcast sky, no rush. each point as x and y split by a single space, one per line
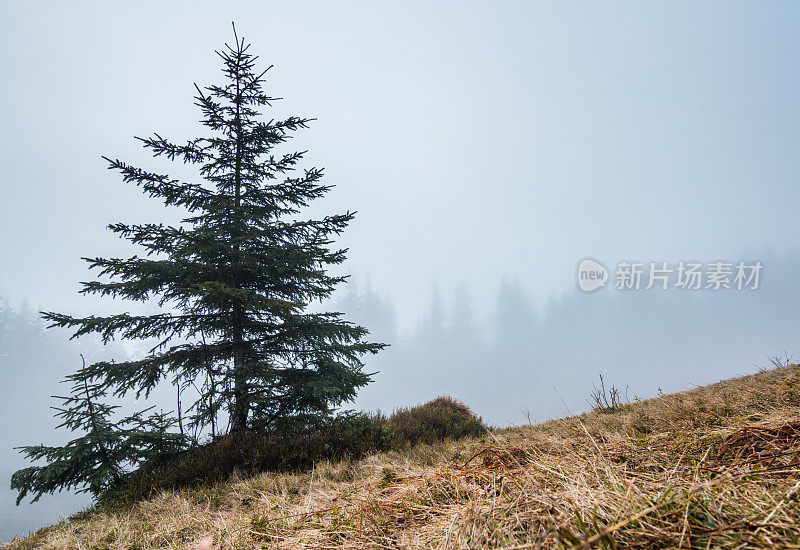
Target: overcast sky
480 142
475 140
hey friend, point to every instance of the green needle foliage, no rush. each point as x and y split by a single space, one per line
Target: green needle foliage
102 457
234 281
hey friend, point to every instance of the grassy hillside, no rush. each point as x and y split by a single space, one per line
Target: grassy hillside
712 467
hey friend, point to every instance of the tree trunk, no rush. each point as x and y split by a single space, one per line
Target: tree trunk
240 403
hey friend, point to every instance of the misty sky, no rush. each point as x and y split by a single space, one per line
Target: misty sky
475 140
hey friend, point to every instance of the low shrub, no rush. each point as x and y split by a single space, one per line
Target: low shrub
440 419
350 435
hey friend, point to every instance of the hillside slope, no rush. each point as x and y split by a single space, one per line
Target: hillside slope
714 466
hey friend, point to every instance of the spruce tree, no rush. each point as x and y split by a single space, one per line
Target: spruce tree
103 456
236 277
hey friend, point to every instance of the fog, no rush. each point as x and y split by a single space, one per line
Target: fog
487 149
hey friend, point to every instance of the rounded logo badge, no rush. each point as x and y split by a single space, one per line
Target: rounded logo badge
591 275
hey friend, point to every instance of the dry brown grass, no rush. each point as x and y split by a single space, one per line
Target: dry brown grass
713 467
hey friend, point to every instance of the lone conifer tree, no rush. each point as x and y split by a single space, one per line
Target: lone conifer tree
235 278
